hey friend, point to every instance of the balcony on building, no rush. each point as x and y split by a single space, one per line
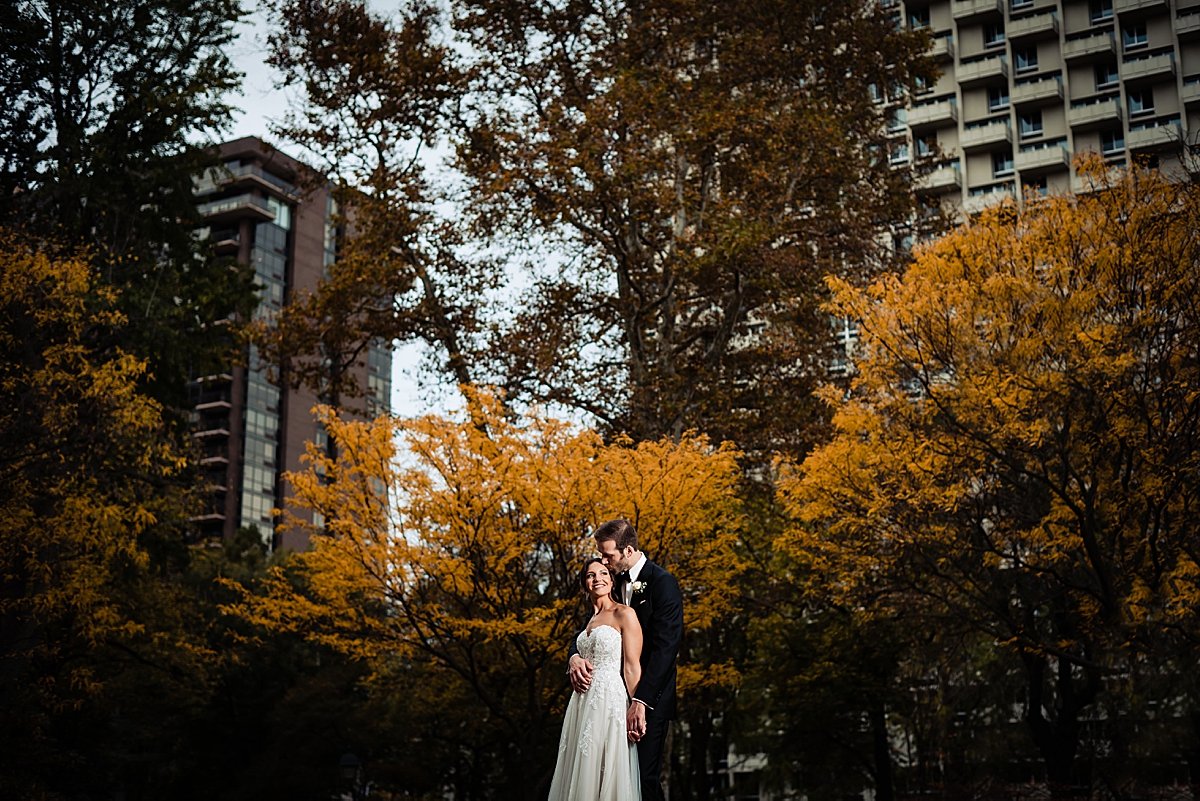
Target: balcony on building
986 135
1189 95
242 176
211 433
992 196
1082 183
234 208
1097 45
227 245
932 115
1035 160
984 69
941 178
1091 114
1127 6
216 485
1154 137
1188 25
1027 7
965 9
942 48
1140 69
1036 25
1043 90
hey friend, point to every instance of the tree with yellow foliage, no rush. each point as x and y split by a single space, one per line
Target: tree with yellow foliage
86 475
1019 457
458 554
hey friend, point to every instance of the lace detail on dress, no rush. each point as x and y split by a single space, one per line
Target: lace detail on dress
603 649
585 740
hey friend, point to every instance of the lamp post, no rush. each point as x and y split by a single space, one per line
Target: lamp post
350 767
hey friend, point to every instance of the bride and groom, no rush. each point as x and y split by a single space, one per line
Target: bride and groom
622 671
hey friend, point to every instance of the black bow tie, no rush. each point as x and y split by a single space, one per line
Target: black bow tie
623 577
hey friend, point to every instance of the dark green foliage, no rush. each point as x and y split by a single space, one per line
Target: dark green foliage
108 107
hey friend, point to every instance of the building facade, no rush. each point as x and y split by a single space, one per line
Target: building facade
264 210
1026 84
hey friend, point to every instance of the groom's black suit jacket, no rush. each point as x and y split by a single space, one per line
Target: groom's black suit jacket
659 609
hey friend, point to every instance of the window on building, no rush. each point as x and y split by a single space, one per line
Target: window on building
1026 59
1035 187
1029 124
875 92
926 145
1112 142
1134 35
898 153
1141 102
993 34
1021 4
1002 164
918 18
1106 75
998 98
922 85
283 213
1100 11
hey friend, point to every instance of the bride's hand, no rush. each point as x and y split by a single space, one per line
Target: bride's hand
635 721
580 672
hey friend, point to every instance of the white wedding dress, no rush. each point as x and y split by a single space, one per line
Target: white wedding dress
596 761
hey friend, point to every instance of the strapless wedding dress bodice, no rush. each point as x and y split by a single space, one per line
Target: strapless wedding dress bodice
602 647
595 759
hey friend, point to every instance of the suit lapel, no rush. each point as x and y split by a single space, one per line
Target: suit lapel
641 601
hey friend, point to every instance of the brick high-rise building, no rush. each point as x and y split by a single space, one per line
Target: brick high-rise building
261 209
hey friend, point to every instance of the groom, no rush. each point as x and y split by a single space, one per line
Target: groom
655 597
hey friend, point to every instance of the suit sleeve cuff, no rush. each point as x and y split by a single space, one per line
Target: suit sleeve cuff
640 701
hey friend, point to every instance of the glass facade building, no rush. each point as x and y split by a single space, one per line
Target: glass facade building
250 424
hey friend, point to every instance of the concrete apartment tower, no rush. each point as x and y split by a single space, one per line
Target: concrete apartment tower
264 210
1026 84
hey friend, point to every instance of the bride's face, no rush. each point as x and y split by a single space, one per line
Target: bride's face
597 581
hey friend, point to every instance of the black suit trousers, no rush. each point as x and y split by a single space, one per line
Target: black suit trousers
650 755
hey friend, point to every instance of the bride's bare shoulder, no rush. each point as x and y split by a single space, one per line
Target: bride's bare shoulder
626 616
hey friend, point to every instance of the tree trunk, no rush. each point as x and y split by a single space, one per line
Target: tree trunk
1057 739
882 751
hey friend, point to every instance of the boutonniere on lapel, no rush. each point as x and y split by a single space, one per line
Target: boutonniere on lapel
637 587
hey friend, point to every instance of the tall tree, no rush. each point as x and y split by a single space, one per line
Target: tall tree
470 576
702 166
662 186
85 491
1020 453
107 109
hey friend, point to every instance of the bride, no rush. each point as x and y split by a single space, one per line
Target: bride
596 761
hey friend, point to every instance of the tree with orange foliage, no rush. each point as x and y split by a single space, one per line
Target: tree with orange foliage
460 553
1019 457
87 493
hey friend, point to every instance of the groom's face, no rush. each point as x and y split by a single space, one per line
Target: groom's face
617 561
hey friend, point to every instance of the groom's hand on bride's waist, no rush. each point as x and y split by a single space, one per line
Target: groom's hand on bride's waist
579 670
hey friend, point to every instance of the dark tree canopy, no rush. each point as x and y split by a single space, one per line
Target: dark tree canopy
107 109
704 165
660 187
